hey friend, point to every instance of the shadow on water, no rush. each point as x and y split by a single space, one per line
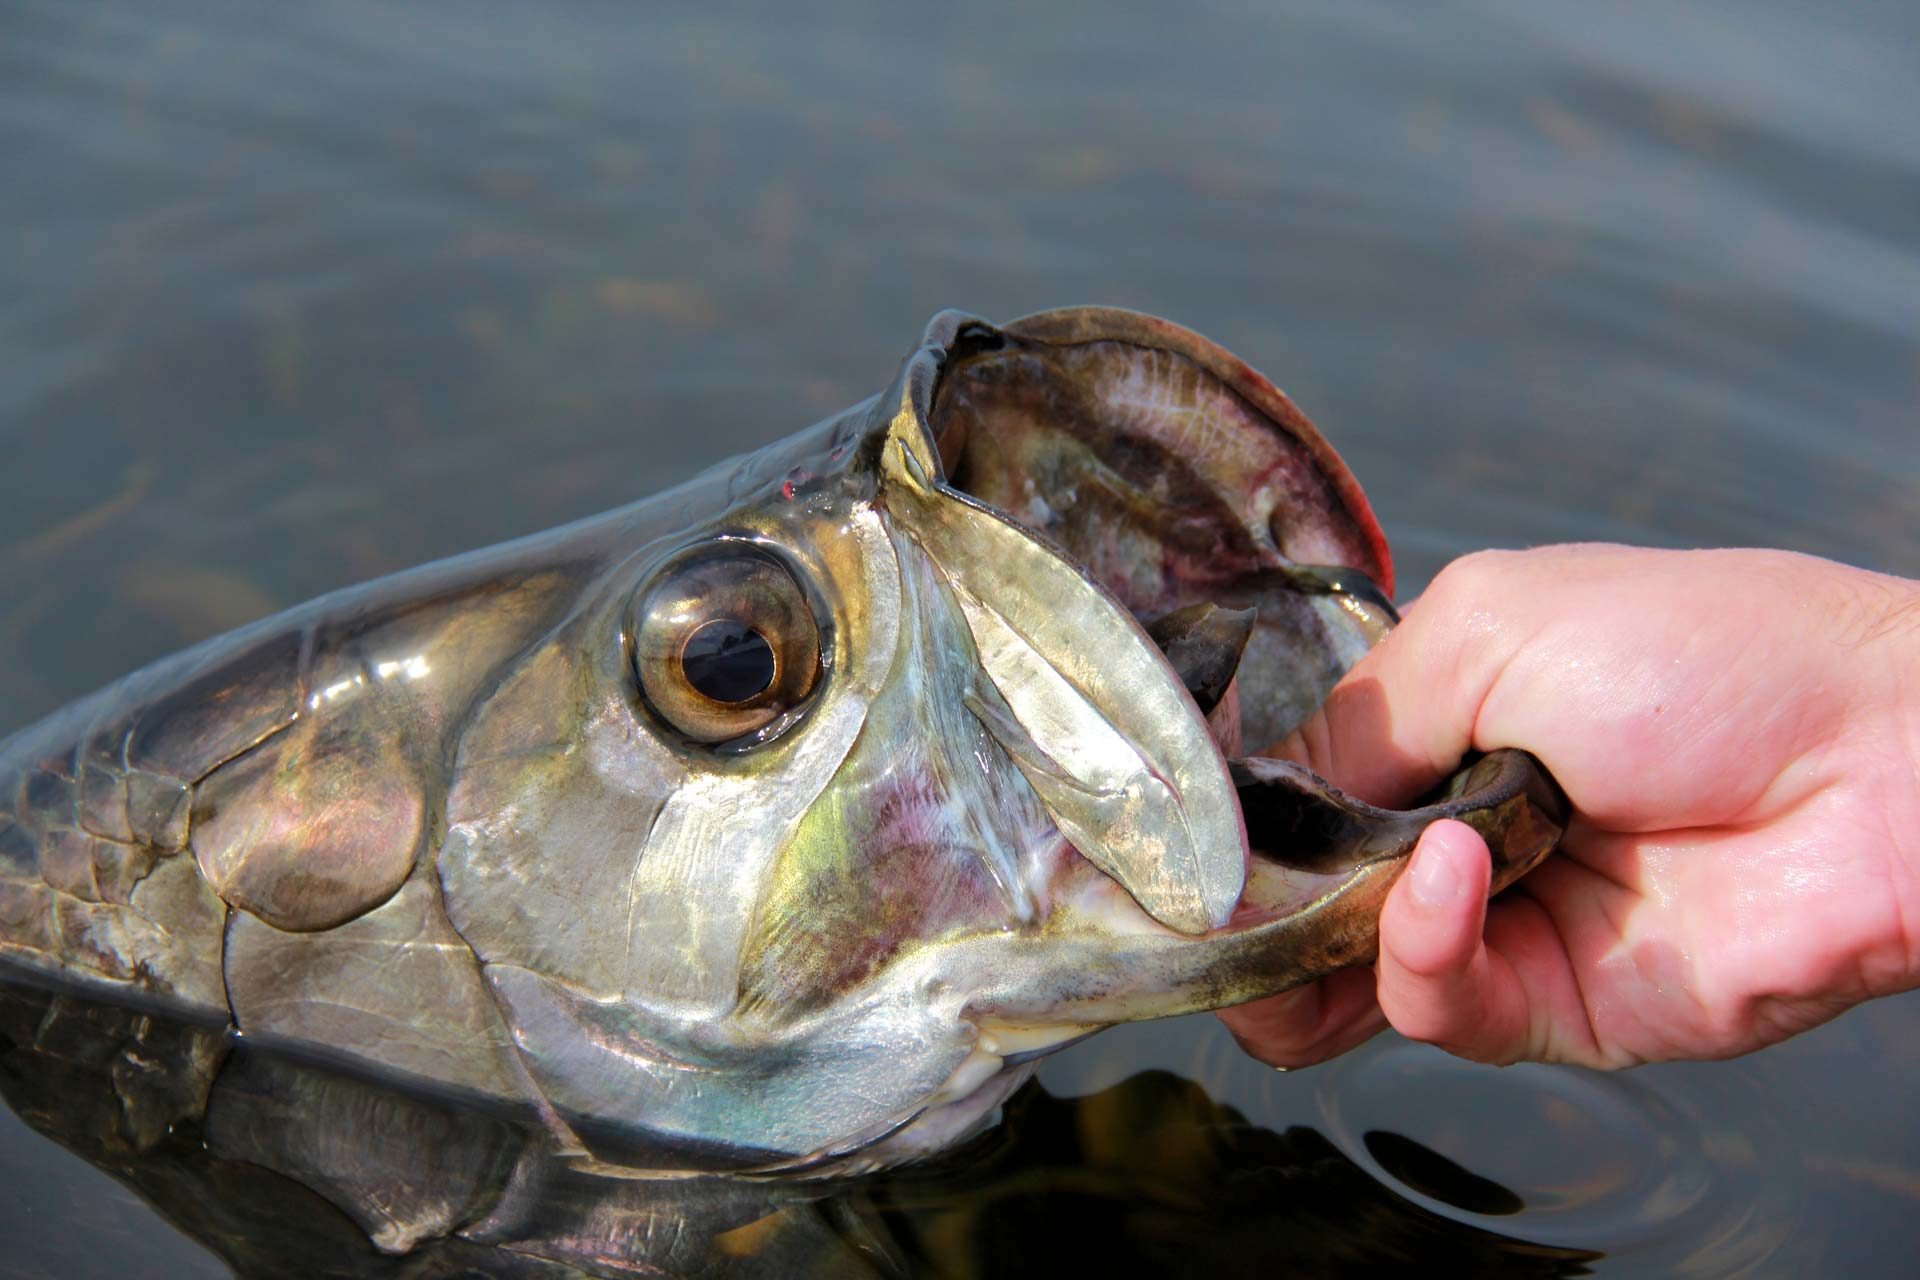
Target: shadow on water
286 1168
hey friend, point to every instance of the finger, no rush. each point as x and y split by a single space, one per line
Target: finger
1436 980
1309 1024
1405 715
1488 658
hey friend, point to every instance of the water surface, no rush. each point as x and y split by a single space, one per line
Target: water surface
292 296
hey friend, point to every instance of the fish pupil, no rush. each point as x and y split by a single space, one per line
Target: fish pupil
728 661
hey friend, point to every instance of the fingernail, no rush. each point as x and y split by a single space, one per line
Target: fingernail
1434 879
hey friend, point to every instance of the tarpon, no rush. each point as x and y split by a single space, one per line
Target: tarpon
780 821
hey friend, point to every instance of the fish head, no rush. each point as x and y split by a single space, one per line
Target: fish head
819 819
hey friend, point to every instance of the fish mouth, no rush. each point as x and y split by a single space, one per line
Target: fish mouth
1316 868
1080 472
1160 560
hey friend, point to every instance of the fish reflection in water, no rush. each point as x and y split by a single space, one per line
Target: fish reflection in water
283 1166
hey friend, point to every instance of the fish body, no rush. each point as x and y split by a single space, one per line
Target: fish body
779 822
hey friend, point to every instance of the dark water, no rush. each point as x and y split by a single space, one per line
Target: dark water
295 295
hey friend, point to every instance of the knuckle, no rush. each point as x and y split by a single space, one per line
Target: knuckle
1478 575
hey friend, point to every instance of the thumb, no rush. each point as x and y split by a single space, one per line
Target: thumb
1437 980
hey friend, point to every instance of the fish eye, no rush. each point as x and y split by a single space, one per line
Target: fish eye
725 643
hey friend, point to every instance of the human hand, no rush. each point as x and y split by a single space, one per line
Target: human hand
1739 733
